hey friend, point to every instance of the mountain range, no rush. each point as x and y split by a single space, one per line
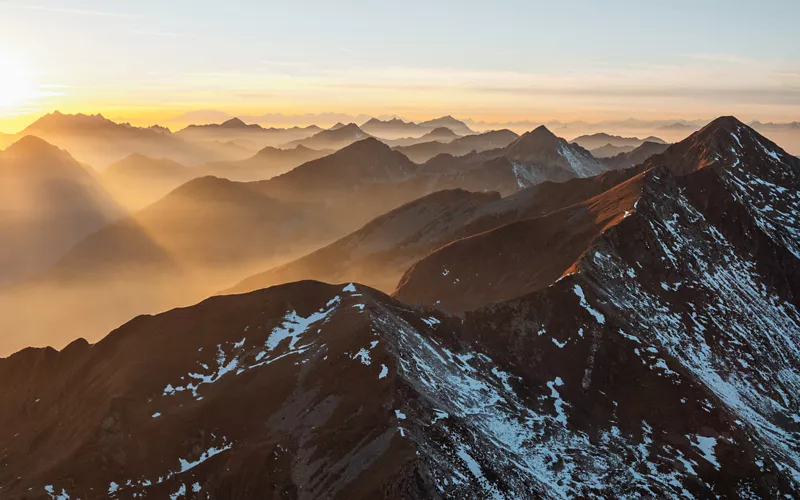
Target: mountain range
334 138
396 128
137 181
601 139
422 151
253 136
520 321
99 141
635 156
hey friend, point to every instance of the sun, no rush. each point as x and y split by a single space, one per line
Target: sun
17 85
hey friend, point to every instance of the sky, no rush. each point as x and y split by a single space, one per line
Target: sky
151 61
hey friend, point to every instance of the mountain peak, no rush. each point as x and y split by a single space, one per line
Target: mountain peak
442 131
723 143
543 131
538 137
726 123
349 129
30 144
368 145
234 123
57 120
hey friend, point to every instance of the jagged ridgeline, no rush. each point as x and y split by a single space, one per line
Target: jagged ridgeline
656 356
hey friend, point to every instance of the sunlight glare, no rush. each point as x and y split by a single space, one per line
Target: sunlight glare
17 86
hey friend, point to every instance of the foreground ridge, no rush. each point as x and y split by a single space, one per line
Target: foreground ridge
342 391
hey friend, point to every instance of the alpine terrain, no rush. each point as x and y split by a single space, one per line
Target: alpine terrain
630 335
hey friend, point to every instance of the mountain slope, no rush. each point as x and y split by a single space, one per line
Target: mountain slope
363 163
378 253
665 362
48 203
540 153
336 138
745 166
384 400
515 258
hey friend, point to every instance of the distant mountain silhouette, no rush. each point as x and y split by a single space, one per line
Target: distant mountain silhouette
252 136
440 134
601 139
100 142
48 202
610 150
393 129
137 180
448 121
331 139
678 126
636 156
424 151
396 128
367 161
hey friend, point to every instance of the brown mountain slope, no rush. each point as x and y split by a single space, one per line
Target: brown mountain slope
378 253
747 167
48 203
515 258
317 391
